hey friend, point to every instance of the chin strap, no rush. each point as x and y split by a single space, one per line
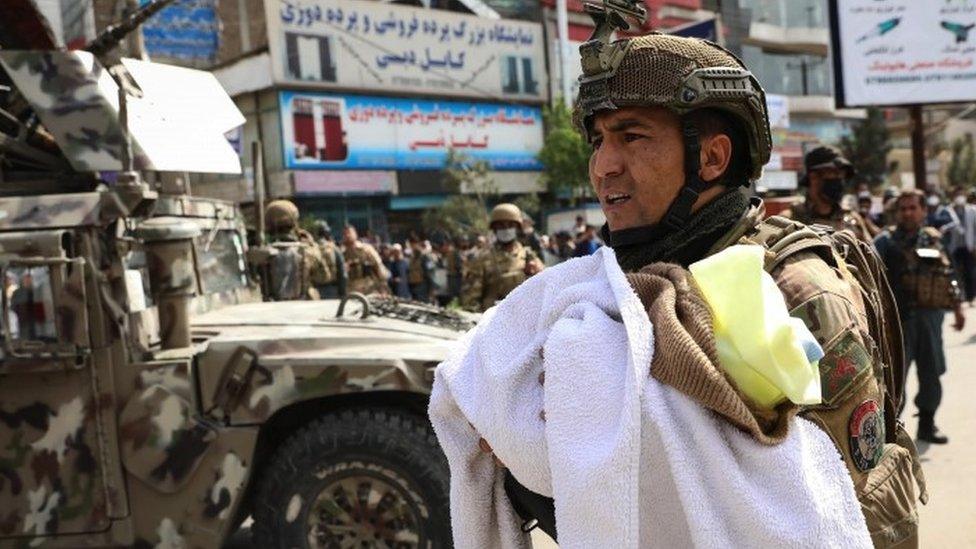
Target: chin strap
680 209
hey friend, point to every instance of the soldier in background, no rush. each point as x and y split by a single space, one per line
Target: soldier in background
335 261
924 286
296 268
500 269
420 270
365 269
827 172
450 258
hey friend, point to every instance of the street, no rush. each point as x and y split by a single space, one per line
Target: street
949 519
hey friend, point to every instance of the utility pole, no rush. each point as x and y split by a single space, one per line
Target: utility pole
562 32
918 147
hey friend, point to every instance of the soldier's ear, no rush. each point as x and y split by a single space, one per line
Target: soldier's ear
716 154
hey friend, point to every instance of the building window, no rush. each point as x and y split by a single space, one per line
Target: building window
789 74
309 57
515 83
788 13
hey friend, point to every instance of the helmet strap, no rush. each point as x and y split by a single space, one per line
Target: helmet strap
680 209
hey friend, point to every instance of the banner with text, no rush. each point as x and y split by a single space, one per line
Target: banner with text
901 52
322 131
363 45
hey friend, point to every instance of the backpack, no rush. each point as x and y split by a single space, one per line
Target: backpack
886 491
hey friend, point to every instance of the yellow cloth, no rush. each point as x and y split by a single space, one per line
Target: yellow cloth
769 355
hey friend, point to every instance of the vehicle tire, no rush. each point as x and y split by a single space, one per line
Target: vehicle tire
356 478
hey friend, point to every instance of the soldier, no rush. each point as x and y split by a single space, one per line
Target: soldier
366 272
500 269
924 286
335 261
420 270
827 172
677 126
297 267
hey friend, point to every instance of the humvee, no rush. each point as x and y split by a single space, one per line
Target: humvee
149 396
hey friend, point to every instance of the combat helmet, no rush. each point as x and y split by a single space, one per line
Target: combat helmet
281 215
505 212
680 74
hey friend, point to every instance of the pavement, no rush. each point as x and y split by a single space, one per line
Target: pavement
949 519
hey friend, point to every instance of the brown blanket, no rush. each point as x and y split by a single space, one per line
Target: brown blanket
685 356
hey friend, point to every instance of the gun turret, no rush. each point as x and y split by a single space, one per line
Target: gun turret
111 36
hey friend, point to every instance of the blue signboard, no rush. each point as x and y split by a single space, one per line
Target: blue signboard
326 131
188 30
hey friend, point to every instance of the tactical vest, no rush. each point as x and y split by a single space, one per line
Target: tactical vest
928 281
288 272
862 422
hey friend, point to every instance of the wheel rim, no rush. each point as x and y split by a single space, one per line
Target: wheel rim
363 511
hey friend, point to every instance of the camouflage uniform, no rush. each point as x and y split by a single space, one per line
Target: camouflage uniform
841 218
298 266
336 263
365 269
490 276
420 271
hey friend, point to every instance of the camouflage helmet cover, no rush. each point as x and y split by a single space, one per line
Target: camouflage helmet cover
506 212
281 215
677 73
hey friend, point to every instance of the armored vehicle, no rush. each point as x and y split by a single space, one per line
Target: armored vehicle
149 397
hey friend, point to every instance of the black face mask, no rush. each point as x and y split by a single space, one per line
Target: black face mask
833 189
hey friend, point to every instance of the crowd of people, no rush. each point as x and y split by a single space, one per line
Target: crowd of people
471 271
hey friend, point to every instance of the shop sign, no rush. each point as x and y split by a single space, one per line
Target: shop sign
345 182
324 131
364 45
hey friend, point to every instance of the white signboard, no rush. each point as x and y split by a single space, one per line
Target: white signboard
900 52
779 110
364 45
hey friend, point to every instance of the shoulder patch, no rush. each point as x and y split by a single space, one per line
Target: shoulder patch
867 435
844 363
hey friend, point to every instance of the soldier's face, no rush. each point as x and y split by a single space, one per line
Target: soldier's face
637 164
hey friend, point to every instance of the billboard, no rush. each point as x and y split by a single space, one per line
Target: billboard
326 131
364 45
903 52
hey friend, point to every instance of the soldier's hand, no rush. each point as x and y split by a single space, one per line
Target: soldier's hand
532 267
960 322
486 448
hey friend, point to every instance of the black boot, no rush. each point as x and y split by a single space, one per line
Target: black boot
927 430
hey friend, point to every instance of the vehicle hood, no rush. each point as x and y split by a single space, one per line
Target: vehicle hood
310 329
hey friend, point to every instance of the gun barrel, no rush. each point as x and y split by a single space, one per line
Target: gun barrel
111 36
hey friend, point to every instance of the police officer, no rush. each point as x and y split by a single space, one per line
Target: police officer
366 272
334 259
827 174
925 287
677 126
297 267
500 269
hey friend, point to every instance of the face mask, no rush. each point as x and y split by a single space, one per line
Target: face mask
506 235
932 200
960 201
833 189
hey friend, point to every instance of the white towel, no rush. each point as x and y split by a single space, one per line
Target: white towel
630 462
